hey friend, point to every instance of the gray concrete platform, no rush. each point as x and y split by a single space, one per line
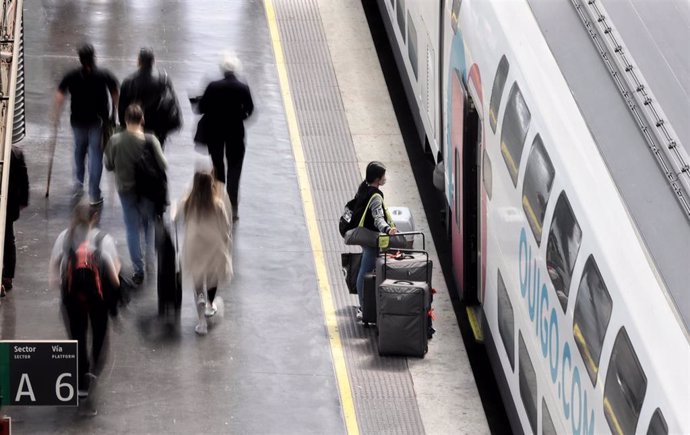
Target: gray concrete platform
266 365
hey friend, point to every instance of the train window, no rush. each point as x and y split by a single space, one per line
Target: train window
547 427
658 426
528 385
515 124
592 314
497 91
412 44
626 385
401 18
506 321
564 242
486 174
537 187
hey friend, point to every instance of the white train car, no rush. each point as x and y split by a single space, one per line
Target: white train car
563 135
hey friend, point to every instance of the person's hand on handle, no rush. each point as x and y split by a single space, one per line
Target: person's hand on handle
392 231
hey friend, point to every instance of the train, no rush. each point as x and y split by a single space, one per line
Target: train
558 130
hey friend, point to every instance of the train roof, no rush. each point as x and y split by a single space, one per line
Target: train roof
655 34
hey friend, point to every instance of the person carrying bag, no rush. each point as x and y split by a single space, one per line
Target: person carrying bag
372 218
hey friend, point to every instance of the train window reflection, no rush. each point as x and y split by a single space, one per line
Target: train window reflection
562 248
412 44
497 91
486 174
547 427
528 385
537 186
515 124
506 322
658 426
592 315
626 385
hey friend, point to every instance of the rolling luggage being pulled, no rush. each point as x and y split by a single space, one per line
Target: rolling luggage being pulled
405 265
169 271
402 317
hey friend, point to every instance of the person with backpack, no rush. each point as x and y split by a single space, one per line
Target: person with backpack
123 155
368 202
207 243
85 266
154 92
17 199
94 93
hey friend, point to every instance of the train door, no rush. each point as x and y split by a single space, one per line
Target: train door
465 215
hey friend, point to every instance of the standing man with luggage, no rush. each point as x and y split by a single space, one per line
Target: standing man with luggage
90 88
122 155
153 91
225 105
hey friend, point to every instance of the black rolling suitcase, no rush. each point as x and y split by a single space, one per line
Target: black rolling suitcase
369 296
402 317
169 272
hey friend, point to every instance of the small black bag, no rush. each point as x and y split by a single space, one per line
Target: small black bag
150 179
351 262
347 222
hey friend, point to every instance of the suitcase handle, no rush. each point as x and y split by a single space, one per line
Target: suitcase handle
407 233
408 251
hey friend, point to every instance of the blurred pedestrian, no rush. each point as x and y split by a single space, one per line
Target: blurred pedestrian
85 266
225 105
122 155
207 243
154 92
94 98
17 199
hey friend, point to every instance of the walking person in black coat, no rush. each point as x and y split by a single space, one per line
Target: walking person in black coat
17 199
225 105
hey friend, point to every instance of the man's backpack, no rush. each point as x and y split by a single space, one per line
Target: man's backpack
82 278
168 111
150 179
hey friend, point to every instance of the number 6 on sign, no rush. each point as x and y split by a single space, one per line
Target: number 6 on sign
59 385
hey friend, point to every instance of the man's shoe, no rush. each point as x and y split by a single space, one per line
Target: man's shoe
359 314
138 278
3 292
7 283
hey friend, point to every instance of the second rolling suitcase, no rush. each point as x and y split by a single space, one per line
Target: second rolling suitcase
402 317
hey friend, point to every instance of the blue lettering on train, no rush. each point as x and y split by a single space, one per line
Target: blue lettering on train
573 396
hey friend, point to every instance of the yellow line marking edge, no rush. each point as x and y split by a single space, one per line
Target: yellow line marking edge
474 324
331 321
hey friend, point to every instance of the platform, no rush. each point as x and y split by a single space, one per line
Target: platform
271 362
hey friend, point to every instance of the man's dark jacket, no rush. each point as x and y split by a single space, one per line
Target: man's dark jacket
225 105
144 87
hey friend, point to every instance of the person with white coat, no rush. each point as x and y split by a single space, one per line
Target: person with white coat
207 242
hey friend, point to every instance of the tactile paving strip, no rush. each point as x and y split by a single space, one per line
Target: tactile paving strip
382 388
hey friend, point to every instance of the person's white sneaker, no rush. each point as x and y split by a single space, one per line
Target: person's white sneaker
201 328
211 309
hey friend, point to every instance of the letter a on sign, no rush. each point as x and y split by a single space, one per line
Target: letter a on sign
20 391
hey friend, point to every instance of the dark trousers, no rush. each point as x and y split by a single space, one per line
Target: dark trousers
234 152
79 311
9 261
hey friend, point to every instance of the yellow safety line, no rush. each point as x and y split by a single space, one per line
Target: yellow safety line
474 324
339 365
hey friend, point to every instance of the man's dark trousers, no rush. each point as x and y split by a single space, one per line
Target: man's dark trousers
234 152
